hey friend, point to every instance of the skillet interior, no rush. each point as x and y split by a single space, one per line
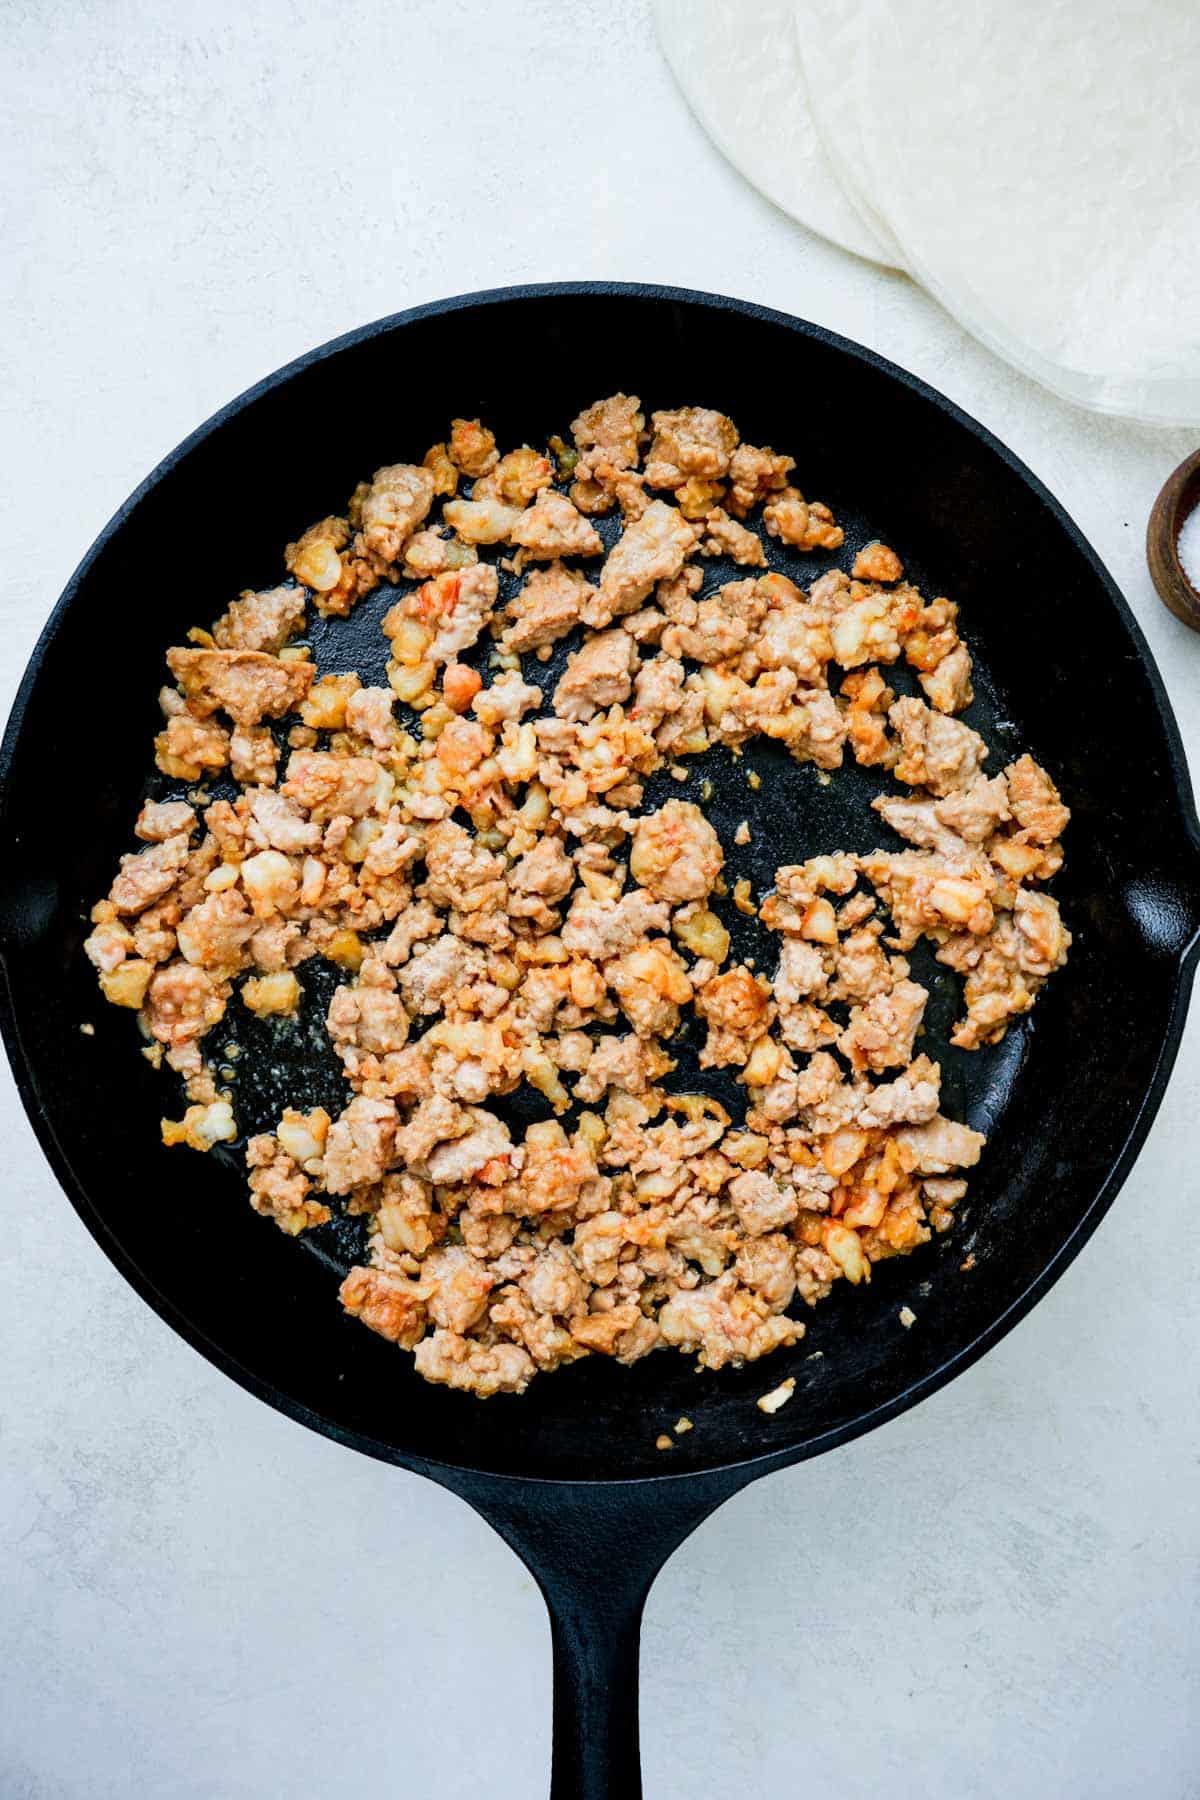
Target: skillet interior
1057 661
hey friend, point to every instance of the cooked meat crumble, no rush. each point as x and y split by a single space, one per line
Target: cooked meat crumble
507 911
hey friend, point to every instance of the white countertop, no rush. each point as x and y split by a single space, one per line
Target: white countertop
993 1596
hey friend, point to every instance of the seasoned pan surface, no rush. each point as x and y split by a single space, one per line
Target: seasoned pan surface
1060 669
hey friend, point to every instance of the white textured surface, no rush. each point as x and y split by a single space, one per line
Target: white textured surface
993 1596
747 89
1037 192
829 39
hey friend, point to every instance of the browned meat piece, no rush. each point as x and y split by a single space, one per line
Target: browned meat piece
803 972
911 1099
557 1174
861 969
163 819
657 690
246 684
549 605
182 1003
725 1323
386 1303
760 1203
806 525
651 549
277 823
939 753
1044 939
713 630
461 1285
462 874
753 475
941 1145
553 1283
506 699
367 1019
263 621
436 971
188 747
360 1145
612 426
603 928
925 892
723 536
328 786
369 713
690 441
597 676
737 1006
651 984
552 527
474 1368
472 447
949 685
629 1064
388 511
545 871
253 755
147 875
876 562
452 607
881 1032
996 990
484 1140
1035 801
279 1188
676 854
213 934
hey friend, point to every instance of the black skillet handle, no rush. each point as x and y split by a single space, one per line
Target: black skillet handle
594 1550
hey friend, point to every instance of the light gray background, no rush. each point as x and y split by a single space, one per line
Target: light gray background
995 1595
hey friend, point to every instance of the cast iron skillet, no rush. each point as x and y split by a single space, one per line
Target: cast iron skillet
569 1474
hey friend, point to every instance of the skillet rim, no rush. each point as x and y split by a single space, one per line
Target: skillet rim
744 1468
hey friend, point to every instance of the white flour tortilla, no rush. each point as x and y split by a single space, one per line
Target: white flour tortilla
829 37
1039 163
739 69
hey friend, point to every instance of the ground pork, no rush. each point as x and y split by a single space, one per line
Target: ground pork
510 917
806 525
881 1031
603 928
725 1323
328 786
676 855
613 426
263 621
753 475
389 509
689 442
360 1144
649 550
549 604
474 1368
553 527
248 685
452 607
149 874
938 753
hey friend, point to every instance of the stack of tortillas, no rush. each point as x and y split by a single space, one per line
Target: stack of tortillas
1034 163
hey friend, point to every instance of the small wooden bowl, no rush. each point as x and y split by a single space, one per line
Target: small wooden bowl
1180 494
